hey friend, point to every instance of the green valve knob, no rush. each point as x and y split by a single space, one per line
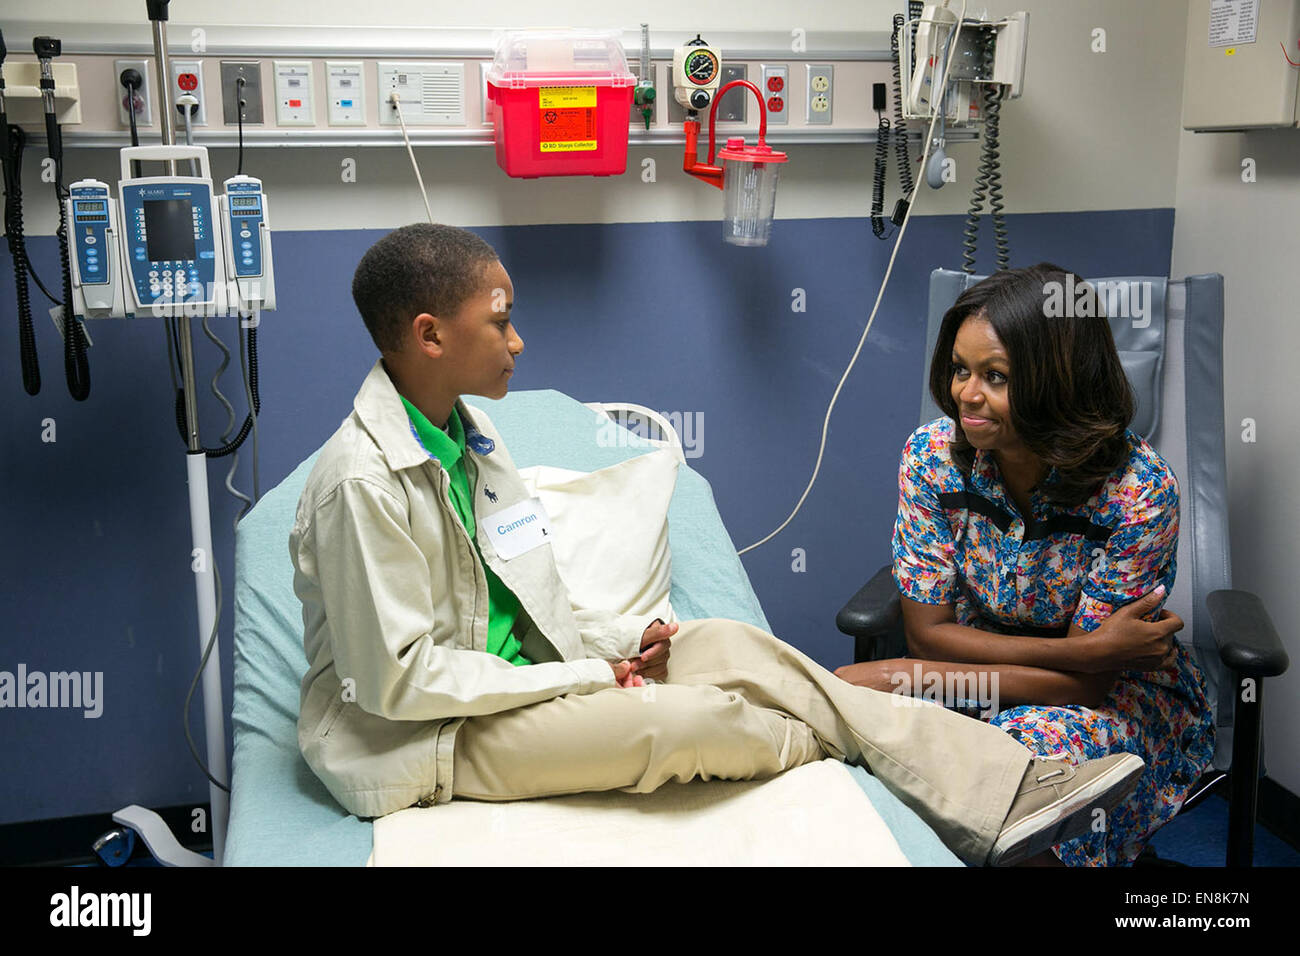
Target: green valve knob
644 97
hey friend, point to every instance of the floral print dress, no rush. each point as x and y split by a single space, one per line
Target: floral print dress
964 542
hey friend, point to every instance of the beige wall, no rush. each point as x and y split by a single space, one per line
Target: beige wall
1092 131
1247 231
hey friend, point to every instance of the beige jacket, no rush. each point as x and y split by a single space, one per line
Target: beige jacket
395 609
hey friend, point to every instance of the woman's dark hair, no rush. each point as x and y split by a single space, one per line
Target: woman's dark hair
1069 397
420 268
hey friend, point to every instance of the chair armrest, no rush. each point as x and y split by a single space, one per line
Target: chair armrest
1248 642
875 610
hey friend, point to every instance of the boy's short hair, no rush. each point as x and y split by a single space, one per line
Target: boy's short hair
424 267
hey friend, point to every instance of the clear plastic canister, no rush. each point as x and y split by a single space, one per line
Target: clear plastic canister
749 178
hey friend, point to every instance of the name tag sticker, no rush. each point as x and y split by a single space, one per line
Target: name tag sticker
518 529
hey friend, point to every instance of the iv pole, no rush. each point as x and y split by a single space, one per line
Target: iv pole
157 837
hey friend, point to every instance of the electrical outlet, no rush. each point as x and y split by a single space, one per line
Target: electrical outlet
143 96
776 92
187 80
251 92
821 94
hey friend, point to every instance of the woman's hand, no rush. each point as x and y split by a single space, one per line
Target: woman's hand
1125 641
877 675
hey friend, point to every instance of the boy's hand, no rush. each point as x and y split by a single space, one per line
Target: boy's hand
655 649
624 674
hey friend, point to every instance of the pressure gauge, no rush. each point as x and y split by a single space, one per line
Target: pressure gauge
701 67
697 73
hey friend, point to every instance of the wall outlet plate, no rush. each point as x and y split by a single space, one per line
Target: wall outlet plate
187 78
776 92
295 92
345 92
431 94
144 96
735 104
821 94
251 92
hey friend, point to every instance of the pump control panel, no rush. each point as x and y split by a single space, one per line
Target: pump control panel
170 238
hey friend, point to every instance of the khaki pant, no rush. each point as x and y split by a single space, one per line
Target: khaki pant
740 704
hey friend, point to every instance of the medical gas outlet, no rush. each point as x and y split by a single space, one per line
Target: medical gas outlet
697 74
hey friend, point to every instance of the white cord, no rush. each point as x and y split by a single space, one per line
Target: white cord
393 98
826 423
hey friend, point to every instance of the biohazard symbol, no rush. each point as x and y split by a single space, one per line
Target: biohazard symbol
551 116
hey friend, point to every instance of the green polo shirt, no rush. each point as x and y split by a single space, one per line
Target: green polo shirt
449 448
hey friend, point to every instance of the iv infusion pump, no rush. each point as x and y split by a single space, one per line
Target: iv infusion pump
169 246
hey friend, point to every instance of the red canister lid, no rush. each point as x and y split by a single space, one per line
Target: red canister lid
761 153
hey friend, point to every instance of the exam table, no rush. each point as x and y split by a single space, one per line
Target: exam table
281 815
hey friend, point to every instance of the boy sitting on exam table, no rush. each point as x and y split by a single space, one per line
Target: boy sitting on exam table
445 657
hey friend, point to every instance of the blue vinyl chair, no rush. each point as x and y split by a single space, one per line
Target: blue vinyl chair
1229 631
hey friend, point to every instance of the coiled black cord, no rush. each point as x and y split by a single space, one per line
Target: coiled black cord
19 139
878 178
988 178
13 166
970 234
989 160
233 445
897 133
75 365
900 124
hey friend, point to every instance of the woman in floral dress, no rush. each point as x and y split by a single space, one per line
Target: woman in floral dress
1028 518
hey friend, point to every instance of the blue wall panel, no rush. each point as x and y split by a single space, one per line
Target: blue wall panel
96 562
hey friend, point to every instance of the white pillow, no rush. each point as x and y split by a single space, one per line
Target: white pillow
611 531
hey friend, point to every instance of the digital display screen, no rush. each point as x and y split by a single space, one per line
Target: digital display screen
90 207
169 228
246 201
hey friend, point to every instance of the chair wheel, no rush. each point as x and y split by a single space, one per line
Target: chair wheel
114 848
1148 857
